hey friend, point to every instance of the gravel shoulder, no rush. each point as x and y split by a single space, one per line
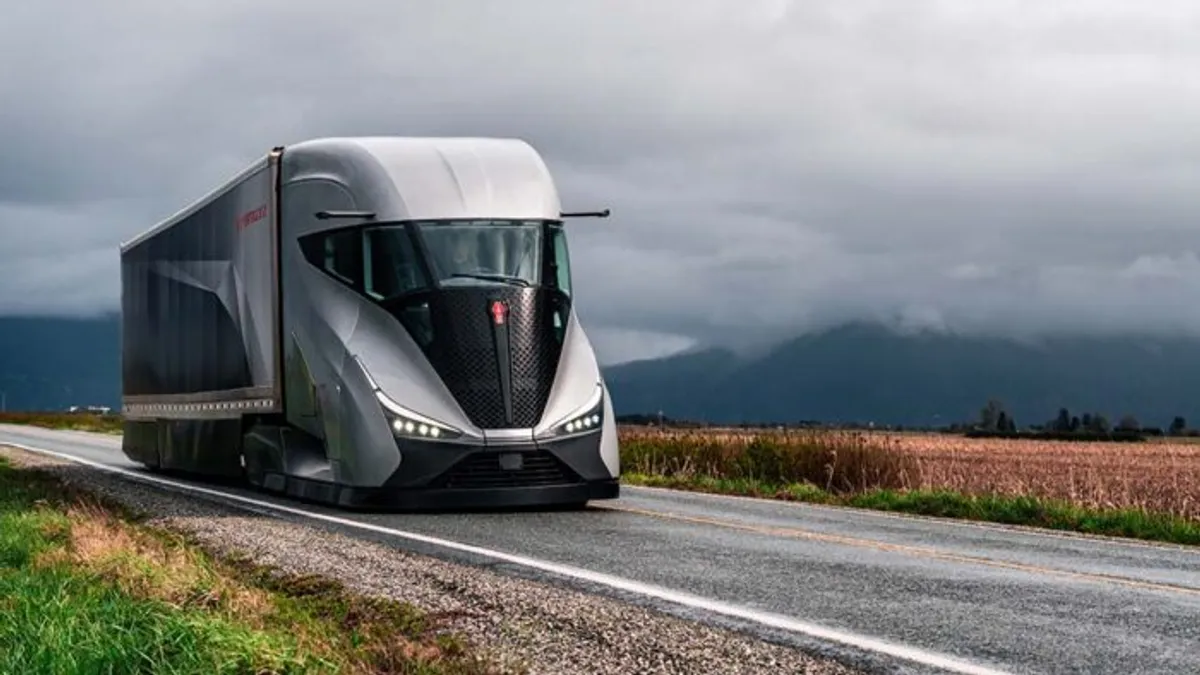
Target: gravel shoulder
534 627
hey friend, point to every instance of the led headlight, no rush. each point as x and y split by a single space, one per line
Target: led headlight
409 424
404 422
588 417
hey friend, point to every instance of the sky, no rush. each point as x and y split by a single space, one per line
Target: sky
772 167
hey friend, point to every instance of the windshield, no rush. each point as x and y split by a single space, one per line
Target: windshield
392 260
484 252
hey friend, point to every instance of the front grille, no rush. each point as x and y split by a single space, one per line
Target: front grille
463 353
535 353
484 470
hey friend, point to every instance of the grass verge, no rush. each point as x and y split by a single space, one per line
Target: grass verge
85 588
1009 510
105 424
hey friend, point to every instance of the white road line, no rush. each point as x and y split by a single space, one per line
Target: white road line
862 642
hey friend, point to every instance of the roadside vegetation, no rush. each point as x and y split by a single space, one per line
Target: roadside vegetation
106 424
85 588
1145 491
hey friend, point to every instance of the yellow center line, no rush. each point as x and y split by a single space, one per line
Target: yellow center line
919 551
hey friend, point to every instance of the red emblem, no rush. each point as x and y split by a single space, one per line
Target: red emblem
498 311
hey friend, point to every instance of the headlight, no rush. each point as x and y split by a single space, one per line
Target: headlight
589 416
408 424
404 422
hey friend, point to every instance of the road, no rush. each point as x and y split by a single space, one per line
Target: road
909 594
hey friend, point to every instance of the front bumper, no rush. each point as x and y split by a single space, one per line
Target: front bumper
451 499
441 475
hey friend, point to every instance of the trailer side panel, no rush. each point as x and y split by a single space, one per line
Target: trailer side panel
200 307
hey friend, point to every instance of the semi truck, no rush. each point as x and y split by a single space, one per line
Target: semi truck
370 322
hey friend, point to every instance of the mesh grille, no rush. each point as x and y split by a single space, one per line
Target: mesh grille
535 355
483 470
463 352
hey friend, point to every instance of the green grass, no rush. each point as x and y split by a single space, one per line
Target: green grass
1010 510
57 621
83 589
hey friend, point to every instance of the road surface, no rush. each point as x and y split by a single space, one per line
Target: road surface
897 593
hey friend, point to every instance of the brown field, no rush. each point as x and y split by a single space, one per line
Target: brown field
1162 475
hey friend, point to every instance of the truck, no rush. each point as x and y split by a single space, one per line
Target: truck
370 322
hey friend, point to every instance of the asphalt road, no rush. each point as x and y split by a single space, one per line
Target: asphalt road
998 598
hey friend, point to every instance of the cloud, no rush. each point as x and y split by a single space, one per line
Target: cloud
772 166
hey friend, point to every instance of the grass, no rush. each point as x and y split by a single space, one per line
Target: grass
1148 491
85 588
107 424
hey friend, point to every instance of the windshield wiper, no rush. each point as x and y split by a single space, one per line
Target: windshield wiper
503 278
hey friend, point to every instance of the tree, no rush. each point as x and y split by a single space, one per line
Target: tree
1178 426
1063 421
1128 423
990 415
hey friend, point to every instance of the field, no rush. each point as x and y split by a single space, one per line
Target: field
1161 475
1148 490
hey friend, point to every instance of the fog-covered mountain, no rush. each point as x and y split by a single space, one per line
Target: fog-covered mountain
865 373
54 363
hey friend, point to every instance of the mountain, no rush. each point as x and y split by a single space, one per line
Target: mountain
50 363
867 373
852 373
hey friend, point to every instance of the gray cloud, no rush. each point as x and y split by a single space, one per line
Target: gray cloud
773 166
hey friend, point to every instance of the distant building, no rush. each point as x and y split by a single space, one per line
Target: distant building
92 409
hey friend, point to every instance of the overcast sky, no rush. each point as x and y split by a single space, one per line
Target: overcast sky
772 166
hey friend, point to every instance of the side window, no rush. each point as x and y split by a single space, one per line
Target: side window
341 256
337 253
562 259
561 265
390 264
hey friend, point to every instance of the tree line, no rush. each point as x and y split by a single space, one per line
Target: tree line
995 421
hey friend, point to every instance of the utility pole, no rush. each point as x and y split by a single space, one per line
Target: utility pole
3 401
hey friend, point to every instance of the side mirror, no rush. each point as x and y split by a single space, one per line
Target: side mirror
585 214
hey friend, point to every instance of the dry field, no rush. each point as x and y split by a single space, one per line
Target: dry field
1162 475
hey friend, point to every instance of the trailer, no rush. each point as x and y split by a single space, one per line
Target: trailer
369 322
